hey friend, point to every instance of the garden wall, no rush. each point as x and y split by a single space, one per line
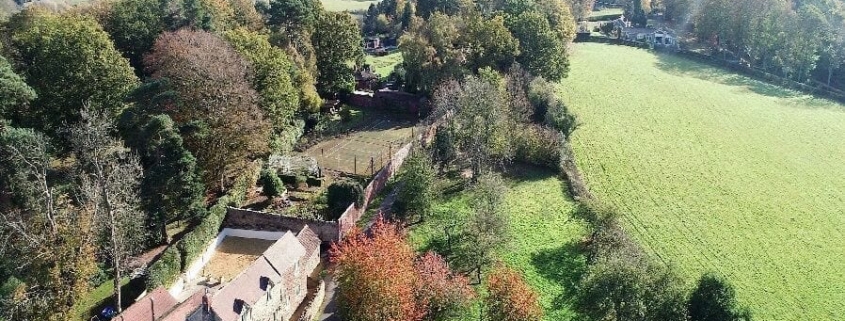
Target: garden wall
239 218
350 217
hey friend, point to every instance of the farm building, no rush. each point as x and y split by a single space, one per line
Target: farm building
271 287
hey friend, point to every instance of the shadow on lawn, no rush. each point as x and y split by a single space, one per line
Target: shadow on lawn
684 67
565 265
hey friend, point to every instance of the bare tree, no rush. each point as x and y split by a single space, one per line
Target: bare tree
109 178
45 243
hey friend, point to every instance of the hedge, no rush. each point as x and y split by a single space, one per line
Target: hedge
165 270
176 258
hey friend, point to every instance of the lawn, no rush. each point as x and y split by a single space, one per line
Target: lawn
606 12
370 136
717 172
347 5
543 232
383 65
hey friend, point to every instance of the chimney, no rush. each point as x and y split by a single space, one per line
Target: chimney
153 308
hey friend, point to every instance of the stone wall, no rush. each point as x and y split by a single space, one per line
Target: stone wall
313 308
240 218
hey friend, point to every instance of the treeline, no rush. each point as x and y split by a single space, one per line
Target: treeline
119 118
799 40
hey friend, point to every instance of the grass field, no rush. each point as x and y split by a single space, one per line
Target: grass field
383 65
371 135
718 172
606 12
347 5
543 234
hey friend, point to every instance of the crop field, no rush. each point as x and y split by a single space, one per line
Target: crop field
717 172
347 5
383 65
376 138
543 232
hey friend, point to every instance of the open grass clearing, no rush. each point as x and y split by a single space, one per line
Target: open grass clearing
717 172
384 65
543 231
607 12
347 5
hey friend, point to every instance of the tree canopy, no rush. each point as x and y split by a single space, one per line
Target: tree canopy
61 55
205 89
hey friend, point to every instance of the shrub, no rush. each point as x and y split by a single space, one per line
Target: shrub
539 146
164 271
273 185
341 194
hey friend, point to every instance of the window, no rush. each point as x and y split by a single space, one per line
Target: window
296 268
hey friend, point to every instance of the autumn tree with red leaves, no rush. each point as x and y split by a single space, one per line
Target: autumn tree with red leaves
379 278
441 293
509 298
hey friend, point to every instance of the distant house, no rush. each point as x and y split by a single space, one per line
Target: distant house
662 38
366 78
271 288
371 43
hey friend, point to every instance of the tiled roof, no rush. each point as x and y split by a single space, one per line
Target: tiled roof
285 252
309 240
184 309
149 307
247 288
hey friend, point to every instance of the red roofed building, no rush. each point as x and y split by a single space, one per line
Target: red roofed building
149 308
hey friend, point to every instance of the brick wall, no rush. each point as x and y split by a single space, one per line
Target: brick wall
350 217
239 218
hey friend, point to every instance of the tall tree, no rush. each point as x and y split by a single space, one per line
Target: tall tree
337 44
205 90
509 298
272 77
48 243
14 92
486 230
171 187
542 48
70 61
134 26
109 179
376 276
490 43
479 118
416 194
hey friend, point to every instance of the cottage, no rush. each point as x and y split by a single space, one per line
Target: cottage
271 288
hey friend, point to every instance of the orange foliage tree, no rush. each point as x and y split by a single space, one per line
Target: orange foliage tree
380 278
509 298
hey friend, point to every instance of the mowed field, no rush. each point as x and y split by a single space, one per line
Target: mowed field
384 65
544 236
717 172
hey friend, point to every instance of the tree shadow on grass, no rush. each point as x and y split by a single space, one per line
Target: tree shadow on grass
565 265
681 66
